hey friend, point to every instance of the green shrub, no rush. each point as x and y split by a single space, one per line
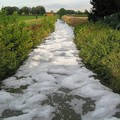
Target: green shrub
112 20
17 40
99 47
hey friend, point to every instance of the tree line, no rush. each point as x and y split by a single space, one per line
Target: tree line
63 11
38 10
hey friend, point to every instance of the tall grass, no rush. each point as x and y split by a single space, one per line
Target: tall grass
99 47
17 40
73 20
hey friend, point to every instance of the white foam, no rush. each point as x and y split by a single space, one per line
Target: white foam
41 113
4 97
13 82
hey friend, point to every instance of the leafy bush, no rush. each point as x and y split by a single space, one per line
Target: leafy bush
17 40
112 20
99 47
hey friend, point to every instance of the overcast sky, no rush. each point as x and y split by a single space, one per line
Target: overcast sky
49 4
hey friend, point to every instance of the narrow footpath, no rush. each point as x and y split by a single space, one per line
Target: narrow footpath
54 84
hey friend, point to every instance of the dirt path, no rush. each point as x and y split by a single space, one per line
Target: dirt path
53 84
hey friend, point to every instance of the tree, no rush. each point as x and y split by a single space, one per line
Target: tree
39 10
69 12
10 10
25 10
86 12
79 12
103 8
61 12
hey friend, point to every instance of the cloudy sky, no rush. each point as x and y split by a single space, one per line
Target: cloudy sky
49 4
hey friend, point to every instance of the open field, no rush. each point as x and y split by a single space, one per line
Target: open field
73 20
78 15
25 18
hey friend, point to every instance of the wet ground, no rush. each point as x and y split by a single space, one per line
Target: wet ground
53 84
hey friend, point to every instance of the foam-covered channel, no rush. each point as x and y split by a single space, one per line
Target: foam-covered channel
53 84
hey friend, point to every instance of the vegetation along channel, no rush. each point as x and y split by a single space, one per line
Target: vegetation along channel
62 65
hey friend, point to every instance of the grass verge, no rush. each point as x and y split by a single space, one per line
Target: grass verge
99 47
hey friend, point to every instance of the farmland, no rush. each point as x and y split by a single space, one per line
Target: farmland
23 18
73 20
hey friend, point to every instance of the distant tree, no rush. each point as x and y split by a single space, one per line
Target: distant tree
20 11
103 8
79 12
32 10
52 11
39 10
61 12
86 12
25 10
10 10
69 12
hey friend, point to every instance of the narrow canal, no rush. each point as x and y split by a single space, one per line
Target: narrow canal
53 84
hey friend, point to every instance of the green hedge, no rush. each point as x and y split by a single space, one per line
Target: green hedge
17 40
112 20
99 47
